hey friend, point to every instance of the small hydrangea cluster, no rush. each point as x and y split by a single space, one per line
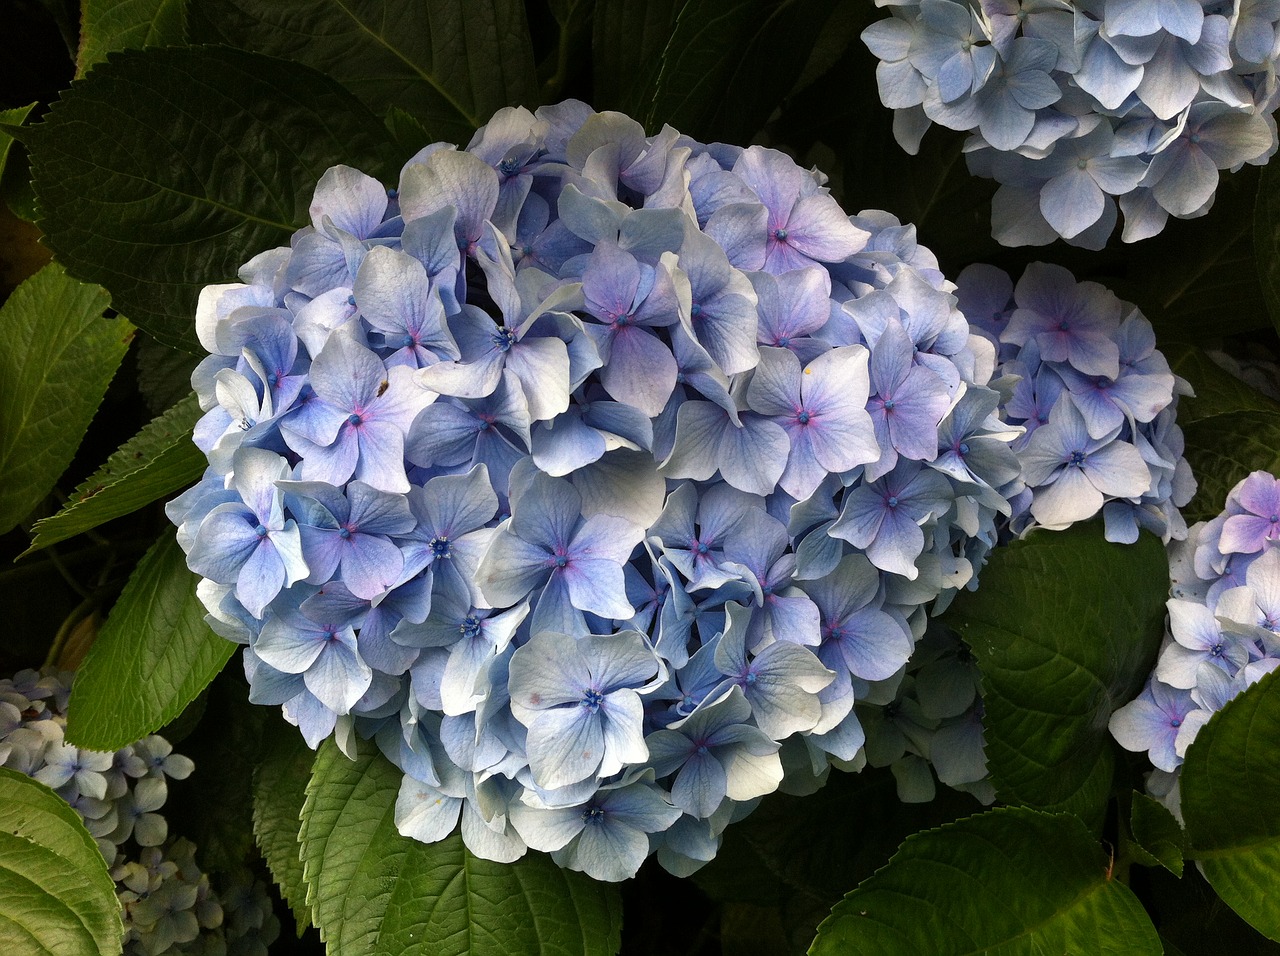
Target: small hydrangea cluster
1075 106
1096 399
1224 614
593 475
168 906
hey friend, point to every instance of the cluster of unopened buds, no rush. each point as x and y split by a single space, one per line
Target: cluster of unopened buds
594 476
1076 108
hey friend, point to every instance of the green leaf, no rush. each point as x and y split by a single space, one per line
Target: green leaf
727 64
13 117
373 891
156 462
1065 629
451 63
1157 833
1230 779
1004 883
154 654
55 894
279 791
1230 430
110 25
163 171
627 40
58 358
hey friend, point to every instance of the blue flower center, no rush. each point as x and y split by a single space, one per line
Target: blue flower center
892 501
1064 326
504 338
780 235
470 627
354 419
592 699
964 448
260 531
406 341
1175 722
392 192
1275 519
351 300
344 533
561 560
803 418
593 816
703 547
508 167
783 341
889 404
1077 458
696 310
273 379
440 547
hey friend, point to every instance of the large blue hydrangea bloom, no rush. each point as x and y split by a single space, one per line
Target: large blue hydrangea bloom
1080 108
604 480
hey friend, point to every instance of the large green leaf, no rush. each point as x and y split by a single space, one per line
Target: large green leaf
1065 628
1230 428
1158 837
58 358
162 171
279 791
627 40
1230 781
154 654
373 891
1004 883
450 63
157 461
56 897
729 63
110 25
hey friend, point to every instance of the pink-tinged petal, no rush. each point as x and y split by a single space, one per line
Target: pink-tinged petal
598 586
1246 534
370 565
511 568
641 370
819 228
775 384
753 457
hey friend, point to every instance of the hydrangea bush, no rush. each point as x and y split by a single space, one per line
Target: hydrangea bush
1079 108
549 520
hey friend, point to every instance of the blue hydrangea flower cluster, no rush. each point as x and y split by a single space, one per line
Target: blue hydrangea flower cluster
1224 614
166 900
1096 400
593 475
1077 108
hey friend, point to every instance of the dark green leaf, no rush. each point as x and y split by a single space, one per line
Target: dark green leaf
1065 629
373 891
110 25
729 63
156 646
1230 430
163 171
13 117
627 40
1157 833
58 358
1266 239
55 894
156 462
451 63
1230 780
1004 883
279 790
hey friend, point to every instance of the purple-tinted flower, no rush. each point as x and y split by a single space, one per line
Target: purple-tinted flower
883 517
907 402
1255 519
1150 723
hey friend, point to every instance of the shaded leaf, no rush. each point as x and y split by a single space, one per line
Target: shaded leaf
1230 769
1157 833
163 171
55 894
627 40
110 25
1266 240
279 791
156 644
373 891
729 63
58 358
1004 883
1230 428
1065 629
156 462
450 63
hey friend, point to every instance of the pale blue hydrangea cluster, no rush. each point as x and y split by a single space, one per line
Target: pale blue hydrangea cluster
166 901
593 475
1096 400
1224 614
1076 108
